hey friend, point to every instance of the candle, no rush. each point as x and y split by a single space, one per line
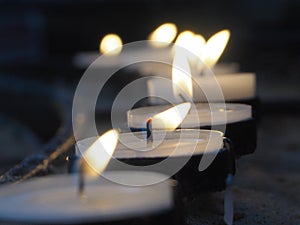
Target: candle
163 35
203 114
234 119
166 145
111 44
129 55
155 58
174 153
54 200
182 142
237 86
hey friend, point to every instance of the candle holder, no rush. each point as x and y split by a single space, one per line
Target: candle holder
243 135
255 105
190 179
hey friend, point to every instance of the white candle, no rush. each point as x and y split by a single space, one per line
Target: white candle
234 85
165 144
203 114
164 70
237 86
130 54
178 157
54 199
178 154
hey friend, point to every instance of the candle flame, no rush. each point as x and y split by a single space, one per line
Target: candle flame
214 47
181 76
185 41
163 35
199 43
111 44
192 43
98 155
171 118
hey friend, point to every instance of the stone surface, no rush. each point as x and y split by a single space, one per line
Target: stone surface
267 183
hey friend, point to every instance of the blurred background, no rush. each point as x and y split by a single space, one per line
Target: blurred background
39 38
42 36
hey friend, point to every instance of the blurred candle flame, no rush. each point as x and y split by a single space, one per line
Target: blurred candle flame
171 118
98 155
184 41
111 44
214 47
163 35
181 77
199 43
192 43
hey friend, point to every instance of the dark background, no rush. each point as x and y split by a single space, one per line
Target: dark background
264 33
38 40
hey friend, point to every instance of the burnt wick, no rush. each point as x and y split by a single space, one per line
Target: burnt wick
149 130
182 98
81 181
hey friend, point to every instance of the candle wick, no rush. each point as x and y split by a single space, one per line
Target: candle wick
81 185
182 98
149 130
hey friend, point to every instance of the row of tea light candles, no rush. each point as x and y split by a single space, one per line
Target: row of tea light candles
58 193
95 159
202 56
135 117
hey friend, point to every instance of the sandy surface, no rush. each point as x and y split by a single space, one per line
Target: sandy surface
267 183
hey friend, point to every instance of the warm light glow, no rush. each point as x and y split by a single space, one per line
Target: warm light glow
163 35
111 44
214 47
171 118
192 43
199 43
181 77
185 41
98 155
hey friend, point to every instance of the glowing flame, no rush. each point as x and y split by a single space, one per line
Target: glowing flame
98 155
171 118
163 35
111 44
192 43
181 77
199 43
185 41
215 47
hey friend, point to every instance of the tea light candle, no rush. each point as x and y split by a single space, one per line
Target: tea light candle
130 54
237 86
199 116
236 118
152 68
54 199
178 143
175 153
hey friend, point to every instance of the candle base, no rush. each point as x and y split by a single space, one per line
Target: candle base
243 134
255 105
190 179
